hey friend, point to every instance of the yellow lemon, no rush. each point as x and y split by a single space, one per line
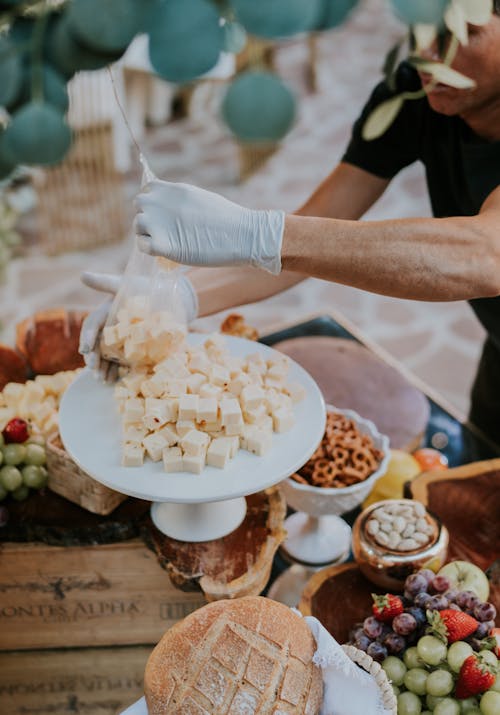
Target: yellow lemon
402 468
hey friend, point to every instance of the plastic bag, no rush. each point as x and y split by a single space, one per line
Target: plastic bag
147 319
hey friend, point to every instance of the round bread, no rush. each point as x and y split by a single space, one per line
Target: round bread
235 657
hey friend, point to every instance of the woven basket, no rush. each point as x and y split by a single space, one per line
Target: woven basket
71 482
375 669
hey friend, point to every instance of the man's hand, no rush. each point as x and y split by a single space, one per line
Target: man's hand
199 228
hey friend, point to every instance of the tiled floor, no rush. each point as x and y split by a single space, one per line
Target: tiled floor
439 342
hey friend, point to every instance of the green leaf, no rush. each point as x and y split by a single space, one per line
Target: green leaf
477 12
390 64
456 22
381 118
442 73
424 36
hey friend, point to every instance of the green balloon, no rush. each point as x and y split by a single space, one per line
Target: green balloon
334 12
258 107
185 39
54 89
277 18
235 37
37 134
105 25
10 71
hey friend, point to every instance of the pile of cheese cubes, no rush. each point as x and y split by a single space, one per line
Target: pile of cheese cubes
36 401
200 405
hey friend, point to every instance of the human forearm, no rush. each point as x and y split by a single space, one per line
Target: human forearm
420 259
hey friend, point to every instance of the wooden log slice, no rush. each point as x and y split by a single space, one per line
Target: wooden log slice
352 377
51 519
238 564
339 597
13 366
467 500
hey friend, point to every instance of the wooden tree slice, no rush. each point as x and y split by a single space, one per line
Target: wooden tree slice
339 597
352 377
236 565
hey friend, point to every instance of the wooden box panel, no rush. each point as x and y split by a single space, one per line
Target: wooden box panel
113 594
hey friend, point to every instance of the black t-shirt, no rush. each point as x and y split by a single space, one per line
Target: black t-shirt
461 168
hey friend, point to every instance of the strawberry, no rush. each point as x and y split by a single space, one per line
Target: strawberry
385 608
475 677
16 430
450 625
495 636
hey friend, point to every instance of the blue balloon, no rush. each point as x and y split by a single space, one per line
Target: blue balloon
258 107
235 37
105 25
37 134
413 12
334 12
10 72
277 18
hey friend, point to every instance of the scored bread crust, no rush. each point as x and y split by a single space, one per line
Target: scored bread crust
235 657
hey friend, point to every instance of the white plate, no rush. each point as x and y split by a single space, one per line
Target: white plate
90 430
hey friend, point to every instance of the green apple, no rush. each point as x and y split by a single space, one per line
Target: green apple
465 576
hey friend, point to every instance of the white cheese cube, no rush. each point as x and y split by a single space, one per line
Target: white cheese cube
123 316
208 390
273 383
200 363
172 408
195 442
184 426
194 382
134 410
138 332
154 444
110 335
174 366
230 411
122 330
138 306
35 392
277 371
169 434
133 381
282 420
152 387
282 362
172 459
134 432
266 424
133 455
122 393
246 432
256 414
251 397
188 407
295 391
219 375
234 365
234 444
238 382
209 426
256 359
193 463
133 351
156 413
51 424
259 442
176 387
219 452
234 428
13 393
207 409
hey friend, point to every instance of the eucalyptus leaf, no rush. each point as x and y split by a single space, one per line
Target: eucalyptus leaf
477 12
424 36
456 22
381 118
444 74
390 65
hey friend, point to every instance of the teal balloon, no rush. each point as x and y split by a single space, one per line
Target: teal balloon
420 11
10 72
105 25
37 134
277 18
54 89
7 163
185 39
258 107
235 37
334 13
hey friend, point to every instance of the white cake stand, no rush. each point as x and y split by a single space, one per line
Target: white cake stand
188 507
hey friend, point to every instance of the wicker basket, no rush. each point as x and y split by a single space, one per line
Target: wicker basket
68 480
375 669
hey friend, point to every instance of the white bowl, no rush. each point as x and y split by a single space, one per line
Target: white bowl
319 501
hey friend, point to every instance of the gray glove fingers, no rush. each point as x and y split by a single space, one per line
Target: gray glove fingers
105 282
140 225
92 326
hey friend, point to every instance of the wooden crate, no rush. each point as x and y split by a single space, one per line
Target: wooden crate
112 594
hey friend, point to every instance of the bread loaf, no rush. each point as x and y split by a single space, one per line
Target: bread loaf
235 657
13 367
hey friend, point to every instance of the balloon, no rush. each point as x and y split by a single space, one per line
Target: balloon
429 12
54 89
105 25
185 39
10 72
37 134
334 12
277 18
258 107
7 163
235 37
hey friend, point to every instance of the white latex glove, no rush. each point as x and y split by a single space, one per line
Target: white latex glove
94 322
200 228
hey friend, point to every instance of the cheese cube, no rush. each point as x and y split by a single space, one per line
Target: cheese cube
172 408
195 442
246 432
255 415
281 362
234 428
156 413
259 442
35 392
122 330
138 306
123 316
194 382
234 365
208 390
122 393
219 452
209 426
207 409
295 391
174 366
133 381
134 432
266 424
188 407
252 396
238 382
172 459
155 444
277 371
133 455
273 383
176 387
51 424
219 375
110 335
200 363
282 420
193 463
133 351
153 387
215 346
138 332
169 434
230 411
234 444
134 409
12 393
184 426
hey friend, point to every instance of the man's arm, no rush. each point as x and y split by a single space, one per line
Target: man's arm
454 258
347 193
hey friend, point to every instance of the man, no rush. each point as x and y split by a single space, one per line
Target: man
454 256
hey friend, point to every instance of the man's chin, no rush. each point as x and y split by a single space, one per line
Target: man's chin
445 102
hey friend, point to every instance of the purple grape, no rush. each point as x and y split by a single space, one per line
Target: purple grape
377 651
404 624
416 583
386 629
372 627
428 575
418 614
485 612
422 599
451 595
454 607
440 584
476 643
4 516
467 600
356 632
362 642
394 643
438 603
482 630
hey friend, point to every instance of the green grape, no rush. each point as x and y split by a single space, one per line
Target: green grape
10 71
447 706
469 704
33 476
432 700
490 703
1 457
185 39
21 493
428 12
439 682
409 704
426 712
431 650
105 25
280 18
35 454
334 12
415 680
2 440
395 690
36 439
53 89
258 106
14 454
412 659
487 656
10 478
496 684
457 653
38 134
395 669
3 492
